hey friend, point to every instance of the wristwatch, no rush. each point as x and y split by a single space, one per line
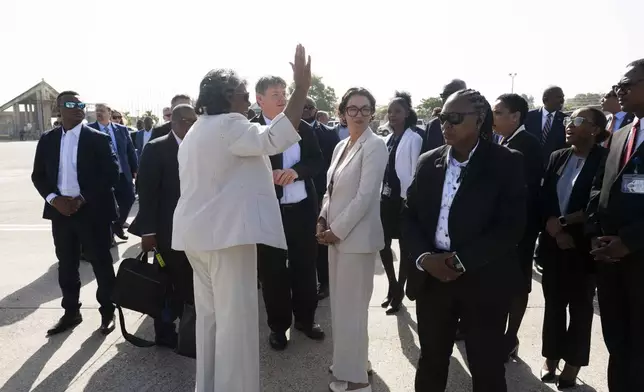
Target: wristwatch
562 221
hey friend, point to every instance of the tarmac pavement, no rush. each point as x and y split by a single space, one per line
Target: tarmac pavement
84 360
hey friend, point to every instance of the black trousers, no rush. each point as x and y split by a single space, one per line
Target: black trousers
291 290
620 290
568 285
322 264
483 317
124 194
70 233
180 272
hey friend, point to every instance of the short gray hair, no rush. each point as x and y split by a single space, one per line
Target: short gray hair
268 81
216 90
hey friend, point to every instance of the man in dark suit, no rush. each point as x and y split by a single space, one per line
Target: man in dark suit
123 147
164 129
328 139
143 136
159 193
546 123
616 220
617 118
291 291
432 134
75 170
510 111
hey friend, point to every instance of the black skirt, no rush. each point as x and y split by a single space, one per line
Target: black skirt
390 215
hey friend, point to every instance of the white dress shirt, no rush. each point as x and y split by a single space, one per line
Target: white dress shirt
452 182
296 191
67 172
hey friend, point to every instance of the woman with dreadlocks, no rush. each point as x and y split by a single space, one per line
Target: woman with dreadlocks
463 218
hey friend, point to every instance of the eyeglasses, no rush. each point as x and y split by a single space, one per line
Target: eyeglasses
454 118
576 121
626 86
365 111
309 107
117 117
73 105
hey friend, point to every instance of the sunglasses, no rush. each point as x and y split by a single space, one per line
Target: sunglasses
308 107
117 117
73 105
626 86
365 111
576 121
454 118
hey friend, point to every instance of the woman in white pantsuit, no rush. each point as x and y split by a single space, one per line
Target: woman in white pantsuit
350 225
227 206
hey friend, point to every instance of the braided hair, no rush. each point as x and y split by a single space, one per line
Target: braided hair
216 91
403 98
483 108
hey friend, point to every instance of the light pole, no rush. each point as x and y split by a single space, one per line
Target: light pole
512 76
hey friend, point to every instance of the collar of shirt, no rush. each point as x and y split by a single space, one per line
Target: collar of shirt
453 162
267 120
75 130
545 113
620 115
146 131
104 127
179 140
518 131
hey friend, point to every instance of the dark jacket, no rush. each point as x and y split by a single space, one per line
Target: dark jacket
125 148
96 166
556 139
328 139
486 220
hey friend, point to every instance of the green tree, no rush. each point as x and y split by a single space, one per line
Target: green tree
530 100
148 113
381 113
424 109
323 95
580 100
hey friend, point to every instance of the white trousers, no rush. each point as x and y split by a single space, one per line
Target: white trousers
227 326
350 285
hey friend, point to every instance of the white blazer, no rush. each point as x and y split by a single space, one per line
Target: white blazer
227 193
407 155
352 211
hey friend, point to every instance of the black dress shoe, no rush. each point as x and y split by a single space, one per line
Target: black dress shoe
565 384
67 322
107 325
118 231
385 303
548 376
323 292
313 331
126 225
278 341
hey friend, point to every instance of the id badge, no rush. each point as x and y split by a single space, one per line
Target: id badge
633 183
386 191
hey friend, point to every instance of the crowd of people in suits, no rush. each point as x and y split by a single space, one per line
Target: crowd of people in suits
230 199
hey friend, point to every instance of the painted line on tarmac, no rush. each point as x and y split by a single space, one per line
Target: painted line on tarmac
19 227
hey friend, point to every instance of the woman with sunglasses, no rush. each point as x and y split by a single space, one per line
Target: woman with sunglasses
350 225
464 215
568 280
404 147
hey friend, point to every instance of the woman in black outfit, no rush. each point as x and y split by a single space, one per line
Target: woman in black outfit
510 111
568 280
404 147
463 218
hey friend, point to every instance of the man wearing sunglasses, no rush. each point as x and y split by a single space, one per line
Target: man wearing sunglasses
75 170
616 222
617 117
127 160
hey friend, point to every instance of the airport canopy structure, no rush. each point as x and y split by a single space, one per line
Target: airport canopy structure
30 113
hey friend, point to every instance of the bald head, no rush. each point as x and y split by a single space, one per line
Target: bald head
183 116
453 86
553 98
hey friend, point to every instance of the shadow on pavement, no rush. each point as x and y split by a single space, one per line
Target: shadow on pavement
46 288
406 329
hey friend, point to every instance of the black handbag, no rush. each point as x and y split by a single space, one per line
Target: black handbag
142 287
187 345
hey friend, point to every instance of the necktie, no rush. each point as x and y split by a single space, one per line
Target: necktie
630 146
546 129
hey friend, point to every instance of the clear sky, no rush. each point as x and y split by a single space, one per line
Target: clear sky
136 54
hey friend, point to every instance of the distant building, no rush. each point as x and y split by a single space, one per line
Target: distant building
30 112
